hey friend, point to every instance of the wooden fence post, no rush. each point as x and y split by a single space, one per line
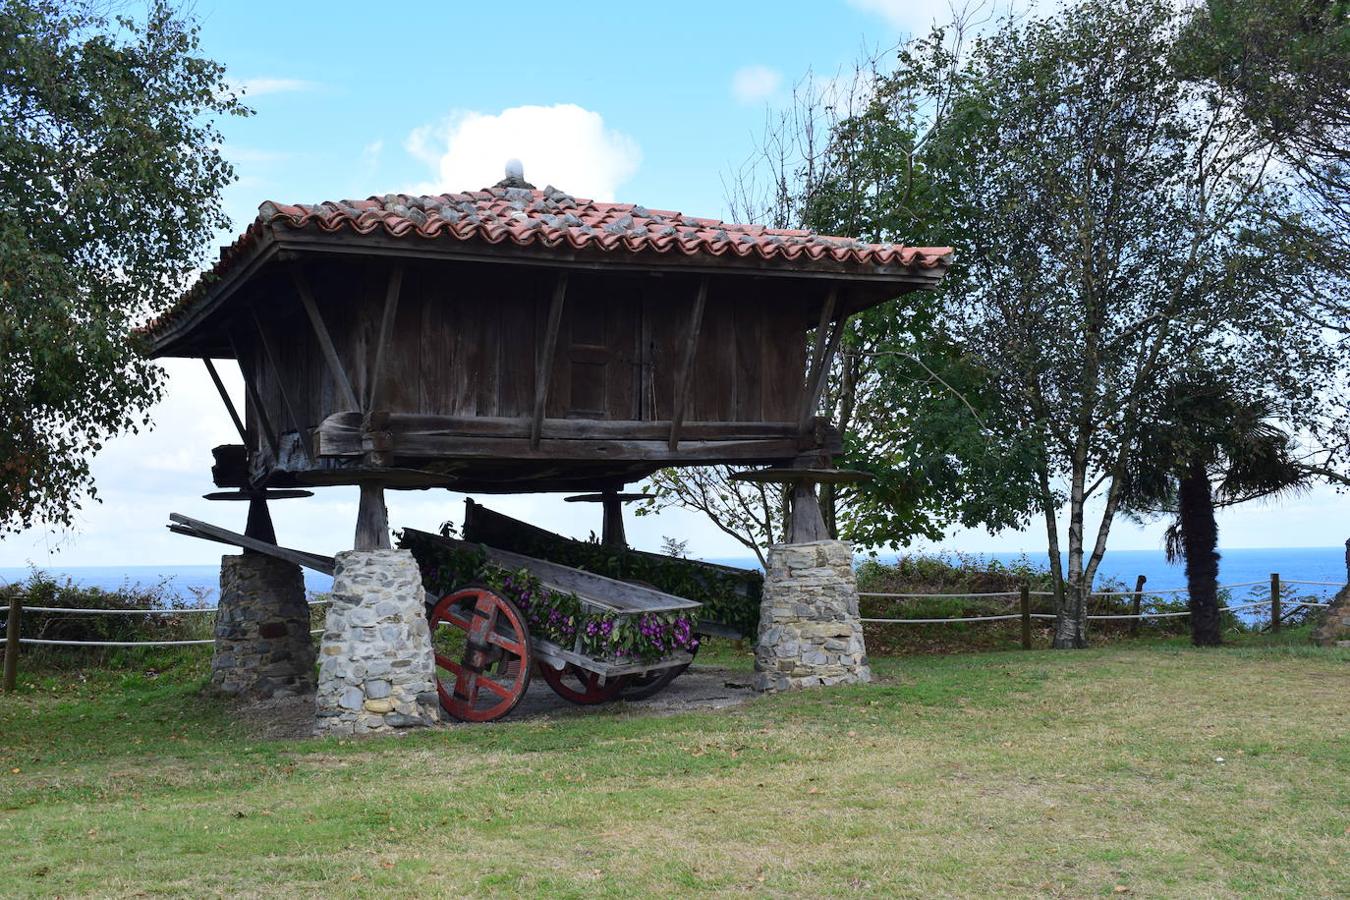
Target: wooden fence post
12 641
1138 606
1275 601
1026 617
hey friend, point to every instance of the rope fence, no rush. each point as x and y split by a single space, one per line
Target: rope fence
16 611
1026 616
78 611
47 643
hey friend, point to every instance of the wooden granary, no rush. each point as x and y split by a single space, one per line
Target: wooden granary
518 340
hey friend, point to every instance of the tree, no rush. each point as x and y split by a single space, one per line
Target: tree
1285 65
840 158
110 174
1207 448
1112 215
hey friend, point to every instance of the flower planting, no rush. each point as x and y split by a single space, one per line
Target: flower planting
557 616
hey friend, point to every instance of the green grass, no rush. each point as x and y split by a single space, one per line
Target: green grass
1070 773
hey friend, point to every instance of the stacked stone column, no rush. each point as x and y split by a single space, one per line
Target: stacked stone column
809 631
263 647
376 669
1334 631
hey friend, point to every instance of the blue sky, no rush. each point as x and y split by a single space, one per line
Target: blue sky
341 89
648 103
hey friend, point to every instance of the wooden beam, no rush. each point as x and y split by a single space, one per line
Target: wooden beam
206 531
808 406
325 339
270 352
225 396
443 447
347 426
391 296
817 386
684 385
544 364
826 313
251 389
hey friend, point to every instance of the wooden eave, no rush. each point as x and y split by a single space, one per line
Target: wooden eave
282 242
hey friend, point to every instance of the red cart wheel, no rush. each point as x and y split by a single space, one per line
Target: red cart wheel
579 685
482 654
649 684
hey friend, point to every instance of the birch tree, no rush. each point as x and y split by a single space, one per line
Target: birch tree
110 181
1116 221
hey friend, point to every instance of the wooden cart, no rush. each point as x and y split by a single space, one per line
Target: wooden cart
485 654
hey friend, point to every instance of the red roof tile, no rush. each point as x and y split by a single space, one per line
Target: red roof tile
551 218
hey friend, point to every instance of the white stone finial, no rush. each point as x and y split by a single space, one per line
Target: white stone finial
515 169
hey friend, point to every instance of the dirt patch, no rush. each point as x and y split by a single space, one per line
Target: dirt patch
700 688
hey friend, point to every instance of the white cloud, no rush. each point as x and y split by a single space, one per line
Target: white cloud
753 84
563 145
257 87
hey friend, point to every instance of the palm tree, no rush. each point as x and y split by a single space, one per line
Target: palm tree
1210 448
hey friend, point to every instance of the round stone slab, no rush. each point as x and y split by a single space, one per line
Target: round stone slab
268 494
818 476
600 498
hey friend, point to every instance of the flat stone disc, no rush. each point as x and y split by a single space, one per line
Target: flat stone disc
817 476
268 494
599 498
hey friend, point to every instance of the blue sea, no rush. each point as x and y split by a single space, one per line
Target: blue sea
1324 564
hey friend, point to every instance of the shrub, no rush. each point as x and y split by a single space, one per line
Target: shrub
40 589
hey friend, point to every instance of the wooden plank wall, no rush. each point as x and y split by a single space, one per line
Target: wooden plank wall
465 343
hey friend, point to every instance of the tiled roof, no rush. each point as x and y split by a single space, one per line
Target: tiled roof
552 218
527 217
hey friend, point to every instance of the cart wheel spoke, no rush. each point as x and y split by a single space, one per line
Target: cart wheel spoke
493 671
500 690
453 617
507 643
580 685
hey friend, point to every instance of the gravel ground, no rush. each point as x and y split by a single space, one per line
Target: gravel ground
701 687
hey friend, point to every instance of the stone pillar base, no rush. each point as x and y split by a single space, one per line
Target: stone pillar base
809 632
263 648
376 669
1335 628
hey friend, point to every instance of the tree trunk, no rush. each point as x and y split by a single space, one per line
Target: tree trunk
1071 621
1200 537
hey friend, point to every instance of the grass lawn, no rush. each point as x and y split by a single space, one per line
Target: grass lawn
1147 769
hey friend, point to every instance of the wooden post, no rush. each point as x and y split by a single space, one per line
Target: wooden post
685 382
12 641
259 522
1026 617
611 531
372 518
386 335
807 524
1137 607
1275 601
544 361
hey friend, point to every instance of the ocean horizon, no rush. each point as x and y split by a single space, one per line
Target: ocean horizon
1119 568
